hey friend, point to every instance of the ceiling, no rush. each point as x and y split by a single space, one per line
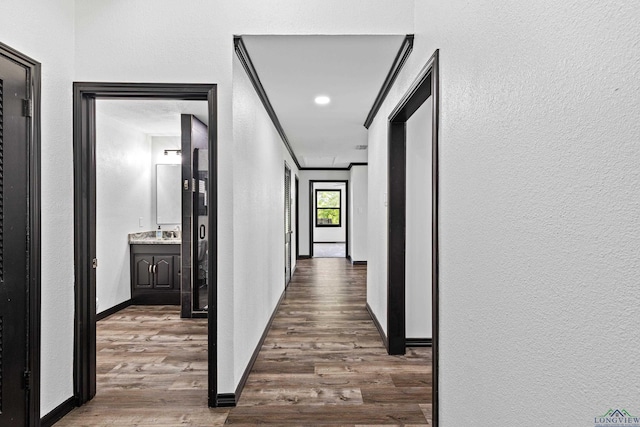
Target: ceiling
349 69
153 117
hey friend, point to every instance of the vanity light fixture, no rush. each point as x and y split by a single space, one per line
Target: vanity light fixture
178 152
322 100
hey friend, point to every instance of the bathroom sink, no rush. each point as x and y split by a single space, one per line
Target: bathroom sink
149 238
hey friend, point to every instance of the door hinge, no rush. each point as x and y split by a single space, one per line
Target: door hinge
26 376
27 108
186 185
94 263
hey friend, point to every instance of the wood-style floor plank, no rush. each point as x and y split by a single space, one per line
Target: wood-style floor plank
151 371
322 363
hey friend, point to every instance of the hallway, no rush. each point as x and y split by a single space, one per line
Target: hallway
322 363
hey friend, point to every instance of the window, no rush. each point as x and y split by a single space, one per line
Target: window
328 211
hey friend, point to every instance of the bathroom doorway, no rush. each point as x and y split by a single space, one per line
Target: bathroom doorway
139 202
161 268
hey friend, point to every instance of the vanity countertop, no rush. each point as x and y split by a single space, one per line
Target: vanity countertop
149 238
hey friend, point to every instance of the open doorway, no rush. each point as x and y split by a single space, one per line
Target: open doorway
139 218
413 130
158 272
328 218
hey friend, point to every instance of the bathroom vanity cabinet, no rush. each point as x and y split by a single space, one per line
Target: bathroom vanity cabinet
155 274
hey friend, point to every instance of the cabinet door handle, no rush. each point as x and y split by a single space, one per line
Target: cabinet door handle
150 268
155 268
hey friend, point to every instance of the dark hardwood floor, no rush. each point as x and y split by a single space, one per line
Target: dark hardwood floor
151 371
322 363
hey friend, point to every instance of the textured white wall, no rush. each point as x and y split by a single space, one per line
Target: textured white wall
331 234
123 194
377 212
358 210
305 177
418 227
538 207
29 26
258 220
175 41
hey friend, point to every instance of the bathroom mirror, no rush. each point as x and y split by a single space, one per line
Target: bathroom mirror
168 194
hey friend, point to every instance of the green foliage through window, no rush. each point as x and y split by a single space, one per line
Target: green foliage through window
328 208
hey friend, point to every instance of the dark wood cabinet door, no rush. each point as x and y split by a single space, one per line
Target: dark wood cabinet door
143 273
163 272
155 274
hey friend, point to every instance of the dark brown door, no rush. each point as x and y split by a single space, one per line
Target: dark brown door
14 215
195 217
200 237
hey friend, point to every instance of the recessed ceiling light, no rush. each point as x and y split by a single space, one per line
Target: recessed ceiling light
322 100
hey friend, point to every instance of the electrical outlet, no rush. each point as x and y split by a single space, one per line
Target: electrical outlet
140 222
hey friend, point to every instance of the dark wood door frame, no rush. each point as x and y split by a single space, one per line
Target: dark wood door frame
312 210
84 144
426 85
32 111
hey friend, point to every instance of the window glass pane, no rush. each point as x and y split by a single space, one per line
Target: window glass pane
328 199
328 216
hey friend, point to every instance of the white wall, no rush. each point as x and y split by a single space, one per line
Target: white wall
538 207
331 234
175 41
29 26
258 217
418 226
158 145
123 195
305 177
377 213
358 210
